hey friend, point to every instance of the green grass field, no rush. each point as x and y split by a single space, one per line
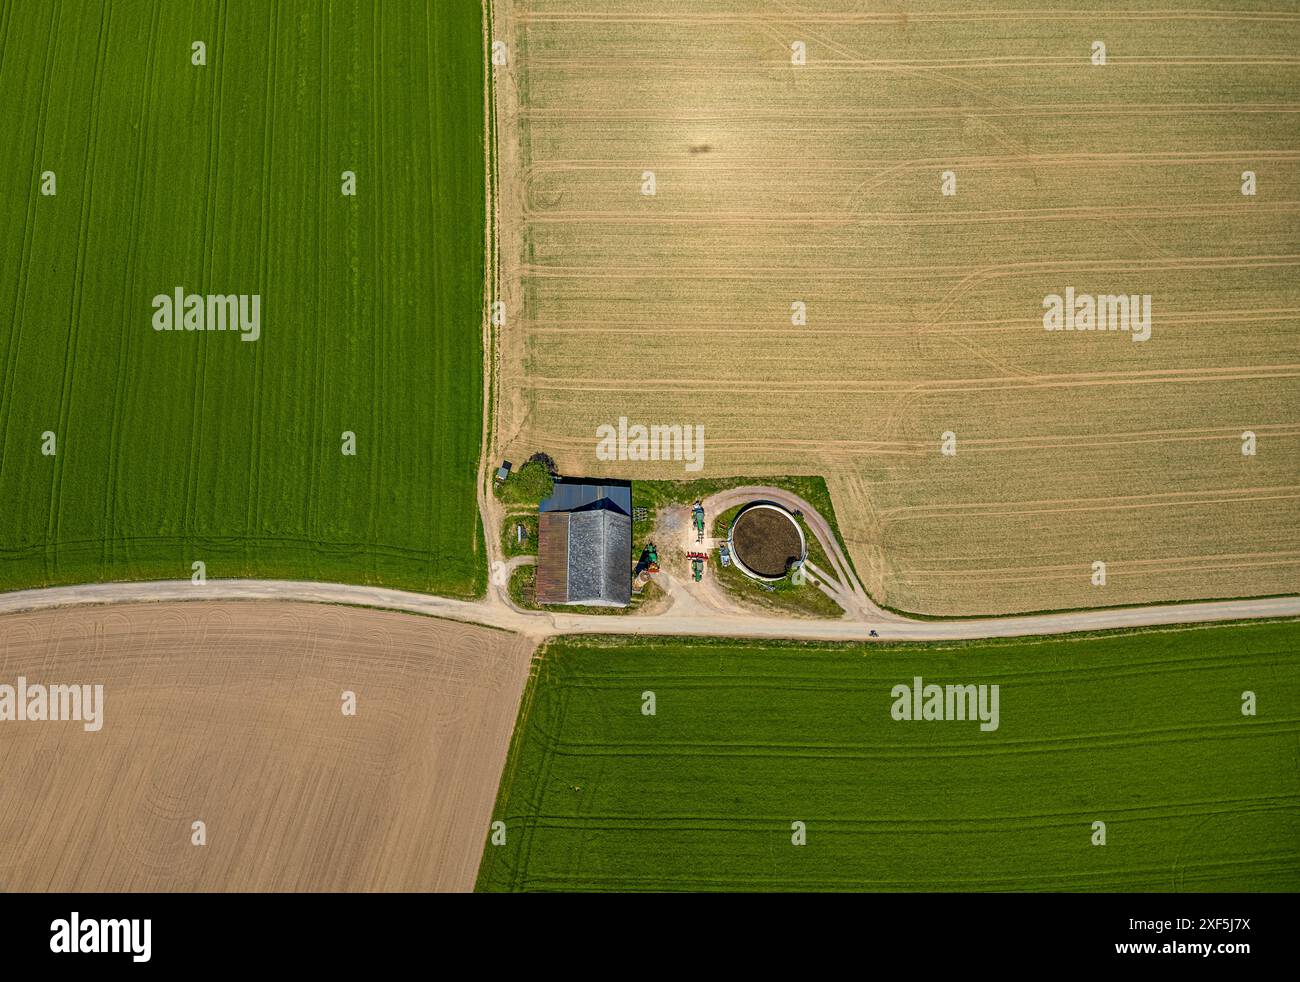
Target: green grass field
226 178
1143 731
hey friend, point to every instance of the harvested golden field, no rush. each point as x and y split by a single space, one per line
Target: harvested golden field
231 714
822 184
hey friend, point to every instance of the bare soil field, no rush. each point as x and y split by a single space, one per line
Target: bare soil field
231 714
821 184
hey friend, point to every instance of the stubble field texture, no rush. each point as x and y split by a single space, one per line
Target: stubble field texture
821 183
1142 731
226 178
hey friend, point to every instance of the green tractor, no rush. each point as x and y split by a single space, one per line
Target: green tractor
649 561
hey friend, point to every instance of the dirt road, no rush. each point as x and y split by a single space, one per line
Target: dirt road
686 615
538 625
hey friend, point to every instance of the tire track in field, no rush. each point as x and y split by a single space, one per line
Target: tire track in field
614 383
312 502
1015 110
751 272
526 16
187 520
435 357
957 590
11 336
377 321
6 17
1035 505
1119 567
965 161
1064 818
914 390
1084 673
737 452
841 327
843 447
66 393
854 486
916 576
1136 738
29 232
1148 879
1023 216
190 516
1059 572
926 72
684 68
548 765
1210 561
305 542
263 262
113 465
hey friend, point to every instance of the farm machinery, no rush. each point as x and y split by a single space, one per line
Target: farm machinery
649 561
698 559
646 566
697 517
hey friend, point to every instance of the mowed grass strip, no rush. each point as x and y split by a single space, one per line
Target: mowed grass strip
1142 731
227 178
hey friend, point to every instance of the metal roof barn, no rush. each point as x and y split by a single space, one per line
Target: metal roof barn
584 545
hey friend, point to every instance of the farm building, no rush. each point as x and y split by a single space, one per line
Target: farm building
584 545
